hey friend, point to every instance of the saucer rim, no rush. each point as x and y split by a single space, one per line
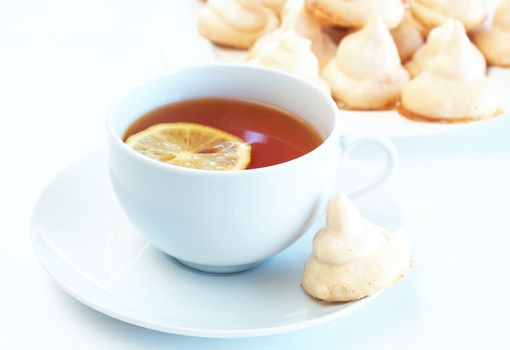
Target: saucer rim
202 333
130 316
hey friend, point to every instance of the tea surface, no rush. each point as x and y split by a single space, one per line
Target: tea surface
275 135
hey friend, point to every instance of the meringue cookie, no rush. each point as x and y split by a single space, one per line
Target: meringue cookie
275 5
295 17
356 13
408 37
438 40
236 23
452 89
366 72
495 41
289 52
432 13
352 258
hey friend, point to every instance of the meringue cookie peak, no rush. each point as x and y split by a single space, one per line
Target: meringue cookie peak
495 41
432 13
356 13
366 72
236 23
287 51
352 258
295 17
438 40
453 89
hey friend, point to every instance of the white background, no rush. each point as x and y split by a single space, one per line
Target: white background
61 64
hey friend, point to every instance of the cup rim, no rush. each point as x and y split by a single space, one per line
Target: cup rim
234 66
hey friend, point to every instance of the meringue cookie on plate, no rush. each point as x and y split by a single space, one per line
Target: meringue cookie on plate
295 17
289 52
366 72
453 88
495 41
236 23
408 37
356 13
438 40
352 258
432 13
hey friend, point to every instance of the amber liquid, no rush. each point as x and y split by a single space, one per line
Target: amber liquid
275 135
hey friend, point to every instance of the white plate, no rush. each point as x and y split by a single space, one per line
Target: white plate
88 246
383 123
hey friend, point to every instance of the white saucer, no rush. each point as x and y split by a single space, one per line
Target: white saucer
88 246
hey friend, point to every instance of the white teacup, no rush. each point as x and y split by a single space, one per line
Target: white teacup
229 221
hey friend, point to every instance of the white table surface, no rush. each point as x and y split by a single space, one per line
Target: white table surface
62 62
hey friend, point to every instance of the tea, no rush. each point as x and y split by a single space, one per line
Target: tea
275 135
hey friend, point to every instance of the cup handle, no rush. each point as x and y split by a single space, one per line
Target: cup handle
349 143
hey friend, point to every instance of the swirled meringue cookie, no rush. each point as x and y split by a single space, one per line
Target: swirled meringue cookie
453 88
495 41
356 13
408 37
289 52
438 40
366 72
275 5
295 17
352 258
236 23
432 13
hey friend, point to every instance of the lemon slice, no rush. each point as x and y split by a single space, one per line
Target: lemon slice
193 146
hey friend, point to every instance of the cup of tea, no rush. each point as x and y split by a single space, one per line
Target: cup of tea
229 221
